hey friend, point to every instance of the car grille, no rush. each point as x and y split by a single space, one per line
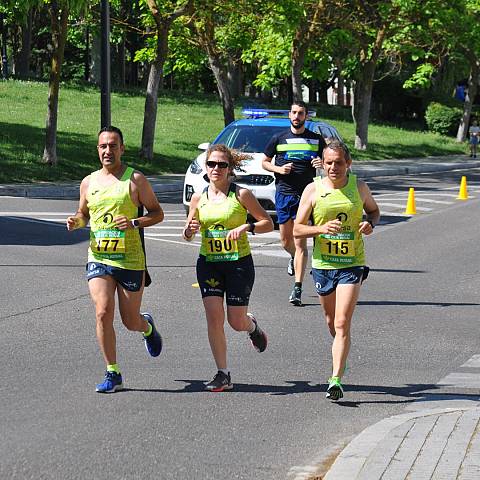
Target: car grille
254 179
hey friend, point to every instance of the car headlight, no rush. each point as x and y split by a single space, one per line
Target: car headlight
195 167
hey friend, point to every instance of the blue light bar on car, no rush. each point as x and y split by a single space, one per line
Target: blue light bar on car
262 112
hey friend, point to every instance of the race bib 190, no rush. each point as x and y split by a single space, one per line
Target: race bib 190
218 248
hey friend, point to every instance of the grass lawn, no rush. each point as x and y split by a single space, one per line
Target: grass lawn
183 121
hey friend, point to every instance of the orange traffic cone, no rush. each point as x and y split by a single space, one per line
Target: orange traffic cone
411 210
463 194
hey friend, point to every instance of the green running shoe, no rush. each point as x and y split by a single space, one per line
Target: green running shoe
335 389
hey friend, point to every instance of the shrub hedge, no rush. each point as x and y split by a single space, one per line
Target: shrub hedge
443 119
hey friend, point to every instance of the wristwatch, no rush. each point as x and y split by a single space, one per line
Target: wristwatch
135 223
251 228
371 224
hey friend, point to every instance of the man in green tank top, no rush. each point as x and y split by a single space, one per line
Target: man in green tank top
336 202
112 200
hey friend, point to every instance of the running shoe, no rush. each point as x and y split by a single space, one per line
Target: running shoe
296 297
335 389
153 343
258 336
291 268
220 382
111 383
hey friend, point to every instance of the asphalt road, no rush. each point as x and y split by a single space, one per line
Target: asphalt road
416 321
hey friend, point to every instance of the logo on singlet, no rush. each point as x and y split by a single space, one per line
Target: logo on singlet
108 218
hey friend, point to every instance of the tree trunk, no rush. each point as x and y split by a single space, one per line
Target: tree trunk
150 113
471 93
221 76
95 58
25 51
121 64
59 19
362 99
234 74
340 90
86 55
155 79
298 60
3 41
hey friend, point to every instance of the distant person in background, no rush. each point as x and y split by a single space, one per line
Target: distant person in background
460 92
474 132
297 153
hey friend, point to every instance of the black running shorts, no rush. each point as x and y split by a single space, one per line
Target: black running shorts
234 279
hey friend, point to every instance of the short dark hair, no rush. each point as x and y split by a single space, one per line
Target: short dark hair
112 129
300 103
338 145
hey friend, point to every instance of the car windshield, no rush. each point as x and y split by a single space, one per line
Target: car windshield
248 139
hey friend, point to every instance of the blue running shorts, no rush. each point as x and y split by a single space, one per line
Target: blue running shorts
286 206
130 280
326 281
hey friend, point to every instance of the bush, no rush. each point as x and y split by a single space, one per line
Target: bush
442 119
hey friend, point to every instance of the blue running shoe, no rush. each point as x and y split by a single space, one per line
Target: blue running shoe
153 343
111 383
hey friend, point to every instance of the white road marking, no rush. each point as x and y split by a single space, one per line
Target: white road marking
397 205
28 214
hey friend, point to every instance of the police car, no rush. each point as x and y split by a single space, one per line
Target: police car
250 135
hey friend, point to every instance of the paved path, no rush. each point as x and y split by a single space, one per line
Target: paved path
440 438
174 183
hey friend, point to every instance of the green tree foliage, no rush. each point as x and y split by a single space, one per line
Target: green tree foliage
442 119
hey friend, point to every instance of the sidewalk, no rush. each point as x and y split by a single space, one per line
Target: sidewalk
441 444
174 183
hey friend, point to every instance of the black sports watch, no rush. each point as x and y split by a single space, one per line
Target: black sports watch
135 223
371 224
252 228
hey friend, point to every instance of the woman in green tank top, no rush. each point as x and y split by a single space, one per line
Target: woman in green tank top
225 266
337 202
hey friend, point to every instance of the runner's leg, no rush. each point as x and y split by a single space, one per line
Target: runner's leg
328 303
102 291
301 257
346 300
286 237
129 306
216 334
238 319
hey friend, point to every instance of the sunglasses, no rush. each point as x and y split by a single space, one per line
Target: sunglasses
212 164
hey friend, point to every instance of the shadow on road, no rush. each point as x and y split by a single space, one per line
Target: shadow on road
29 231
418 304
196 386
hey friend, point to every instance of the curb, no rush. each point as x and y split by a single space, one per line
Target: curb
371 170
167 184
70 192
350 461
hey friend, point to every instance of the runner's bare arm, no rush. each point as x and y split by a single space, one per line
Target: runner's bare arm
268 165
192 225
142 193
301 229
370 207
80 219
263 223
